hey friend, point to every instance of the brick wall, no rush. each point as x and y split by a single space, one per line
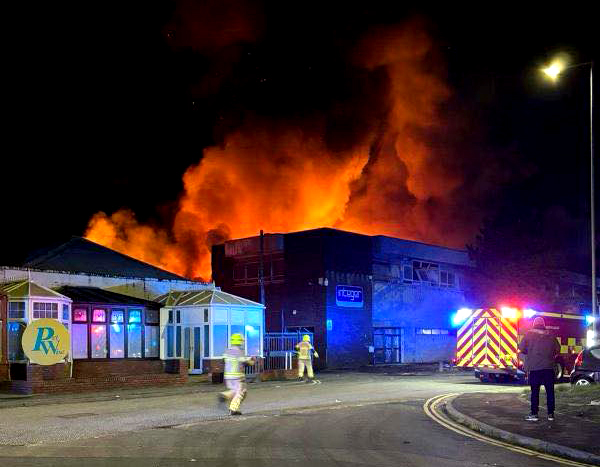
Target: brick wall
351 331
54 379
95 369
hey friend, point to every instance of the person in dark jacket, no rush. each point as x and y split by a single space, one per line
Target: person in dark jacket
540 349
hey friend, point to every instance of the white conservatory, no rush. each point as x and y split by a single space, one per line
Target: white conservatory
196 325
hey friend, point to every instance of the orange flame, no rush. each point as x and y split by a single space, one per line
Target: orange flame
280 178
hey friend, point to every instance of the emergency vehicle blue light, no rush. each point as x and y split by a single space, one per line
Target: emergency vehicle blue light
529 313
590 319
249 328
461 316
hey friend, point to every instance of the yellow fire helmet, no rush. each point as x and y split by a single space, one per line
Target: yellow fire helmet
237 339
306 338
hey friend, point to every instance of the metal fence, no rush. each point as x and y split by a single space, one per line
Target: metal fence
280 348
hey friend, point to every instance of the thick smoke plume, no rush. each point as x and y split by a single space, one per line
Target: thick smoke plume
286 175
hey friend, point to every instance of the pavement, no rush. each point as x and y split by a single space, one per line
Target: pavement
195 384
503 416
343 419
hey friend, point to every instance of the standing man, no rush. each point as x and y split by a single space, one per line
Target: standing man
234 376
305 349
540 349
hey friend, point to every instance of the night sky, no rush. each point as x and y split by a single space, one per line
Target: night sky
112 103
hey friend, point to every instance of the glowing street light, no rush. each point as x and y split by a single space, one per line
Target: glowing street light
553 71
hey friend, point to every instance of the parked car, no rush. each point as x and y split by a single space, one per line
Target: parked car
587 367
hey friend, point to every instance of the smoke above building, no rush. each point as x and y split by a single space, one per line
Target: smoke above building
376 154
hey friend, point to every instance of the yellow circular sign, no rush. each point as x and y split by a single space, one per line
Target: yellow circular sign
46 341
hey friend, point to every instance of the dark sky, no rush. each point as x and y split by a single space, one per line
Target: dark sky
107 111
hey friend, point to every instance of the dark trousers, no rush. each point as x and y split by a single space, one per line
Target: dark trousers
538 378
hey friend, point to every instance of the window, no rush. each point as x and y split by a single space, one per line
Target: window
98 339
66 316
16 310
447 279
45 310
407 274
151 334
79 337
99 316
206 340
15 348
134 340
117 334
135 316
237 317
117 341
220 339
151 341
206 315
252 339
80 315
219 315
170 340
116 316
173 335
134 334
432 331
151 316
425 272
178 341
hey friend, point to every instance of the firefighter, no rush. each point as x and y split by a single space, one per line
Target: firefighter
234 376
305 349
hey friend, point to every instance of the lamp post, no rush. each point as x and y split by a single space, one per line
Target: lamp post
553 71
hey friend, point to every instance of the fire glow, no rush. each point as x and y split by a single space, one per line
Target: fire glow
282 177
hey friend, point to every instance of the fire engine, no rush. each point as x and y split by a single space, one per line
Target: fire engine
488 340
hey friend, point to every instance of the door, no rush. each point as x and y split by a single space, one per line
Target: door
196 346
386 345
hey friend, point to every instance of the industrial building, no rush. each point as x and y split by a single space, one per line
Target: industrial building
367 299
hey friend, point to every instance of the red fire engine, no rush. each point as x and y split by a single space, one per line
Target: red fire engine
488 339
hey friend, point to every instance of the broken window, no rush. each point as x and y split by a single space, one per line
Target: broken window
425 272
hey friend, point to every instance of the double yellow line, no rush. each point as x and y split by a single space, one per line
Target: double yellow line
431 408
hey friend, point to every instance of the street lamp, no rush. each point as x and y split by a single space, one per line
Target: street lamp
553 71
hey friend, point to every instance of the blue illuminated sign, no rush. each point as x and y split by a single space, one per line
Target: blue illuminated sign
349 296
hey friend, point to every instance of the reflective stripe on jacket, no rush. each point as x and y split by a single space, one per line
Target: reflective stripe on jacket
234 363
304 349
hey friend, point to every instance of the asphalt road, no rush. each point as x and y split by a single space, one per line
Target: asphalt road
347 420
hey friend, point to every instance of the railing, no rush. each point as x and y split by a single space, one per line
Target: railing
279 361
280 348
253 370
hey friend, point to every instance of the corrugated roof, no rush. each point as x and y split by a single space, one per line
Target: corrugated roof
80 255
202 297
101 296
26 288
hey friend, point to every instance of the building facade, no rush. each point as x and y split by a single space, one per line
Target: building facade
366 299
416 289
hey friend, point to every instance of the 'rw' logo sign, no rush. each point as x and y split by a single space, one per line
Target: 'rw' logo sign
46 341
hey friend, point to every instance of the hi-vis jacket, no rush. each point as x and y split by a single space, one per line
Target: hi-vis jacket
304 349
235 359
